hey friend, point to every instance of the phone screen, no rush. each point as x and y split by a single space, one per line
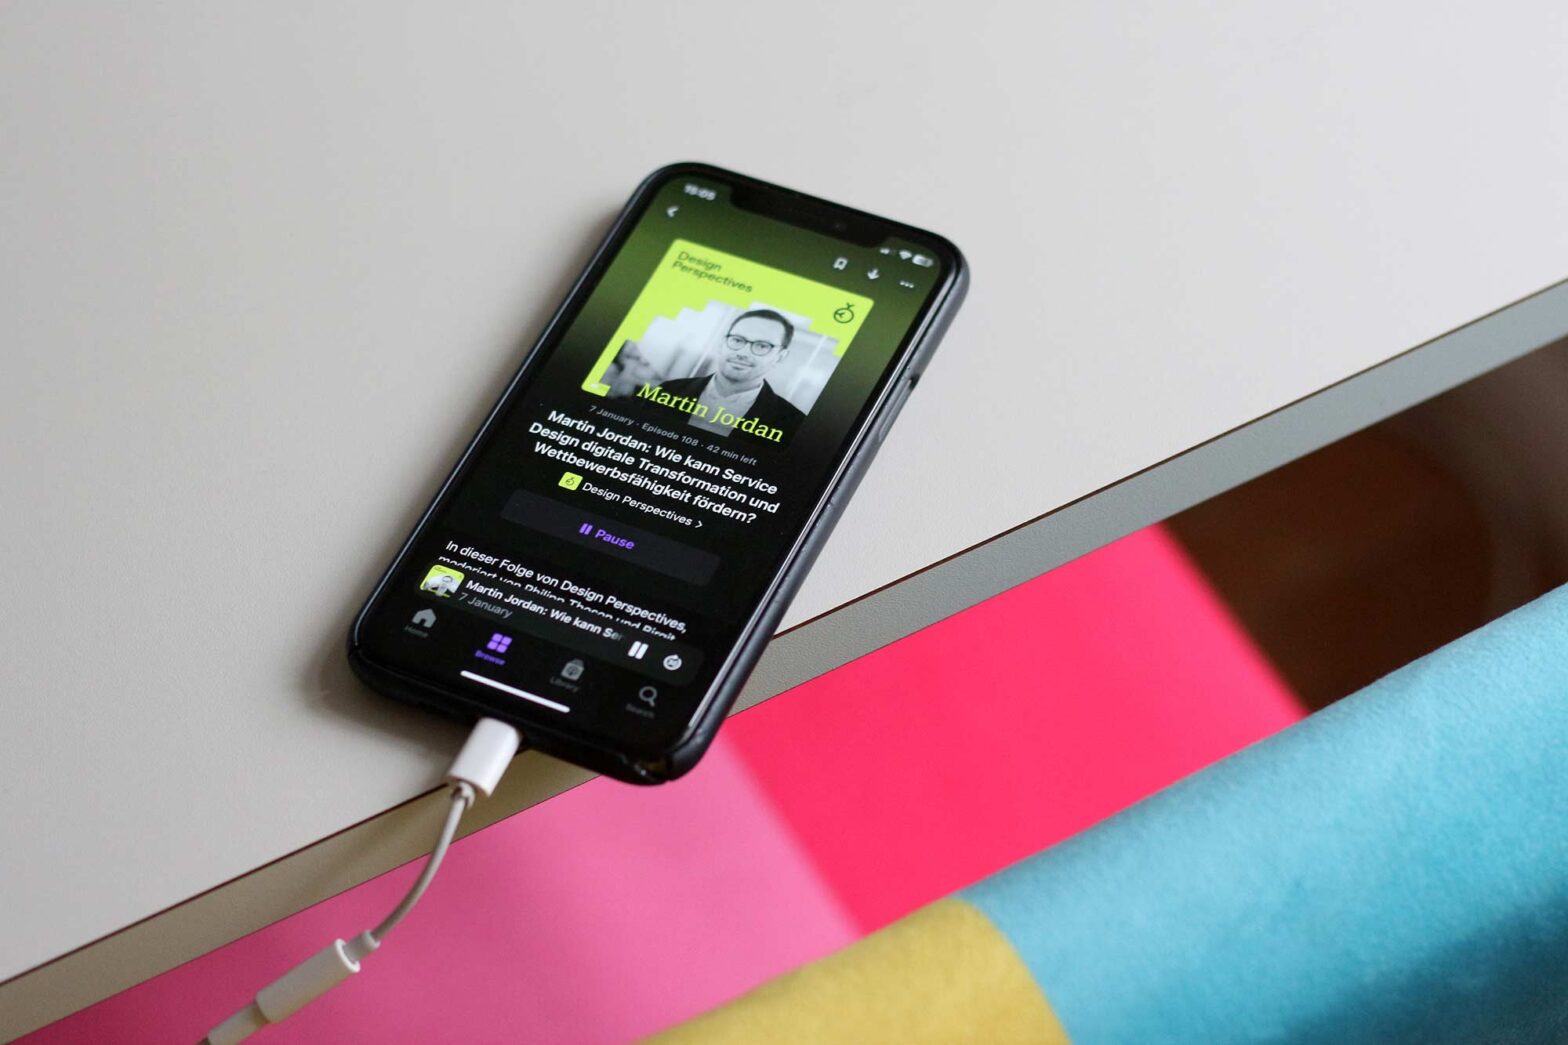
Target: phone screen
596 559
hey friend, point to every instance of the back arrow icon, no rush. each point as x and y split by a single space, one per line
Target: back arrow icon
671 211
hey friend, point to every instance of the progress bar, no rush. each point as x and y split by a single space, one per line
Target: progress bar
514 691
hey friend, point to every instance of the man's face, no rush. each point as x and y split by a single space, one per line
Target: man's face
749 336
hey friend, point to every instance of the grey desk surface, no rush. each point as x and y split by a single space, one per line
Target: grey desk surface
263 267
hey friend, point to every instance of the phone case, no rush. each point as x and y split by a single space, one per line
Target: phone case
661 766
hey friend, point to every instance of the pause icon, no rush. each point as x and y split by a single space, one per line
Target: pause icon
637 650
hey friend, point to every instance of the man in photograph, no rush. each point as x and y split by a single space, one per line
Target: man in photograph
755 344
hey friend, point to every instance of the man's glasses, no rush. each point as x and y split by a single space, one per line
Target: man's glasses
758 348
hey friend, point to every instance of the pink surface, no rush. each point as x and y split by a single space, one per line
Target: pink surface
601 916
950 754
614 911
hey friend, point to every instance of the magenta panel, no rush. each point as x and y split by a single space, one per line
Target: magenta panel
969 745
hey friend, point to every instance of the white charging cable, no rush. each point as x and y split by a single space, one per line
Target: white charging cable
477 770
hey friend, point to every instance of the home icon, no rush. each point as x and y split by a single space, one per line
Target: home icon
425 618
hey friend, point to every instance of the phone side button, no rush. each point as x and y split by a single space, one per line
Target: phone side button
891 415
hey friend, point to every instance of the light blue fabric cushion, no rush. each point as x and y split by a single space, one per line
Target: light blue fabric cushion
1393 869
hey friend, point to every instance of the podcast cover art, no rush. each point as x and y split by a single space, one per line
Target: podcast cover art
736 347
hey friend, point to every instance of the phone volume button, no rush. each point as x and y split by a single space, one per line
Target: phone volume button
891 413
881 430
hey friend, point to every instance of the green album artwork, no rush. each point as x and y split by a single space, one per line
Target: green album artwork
732 344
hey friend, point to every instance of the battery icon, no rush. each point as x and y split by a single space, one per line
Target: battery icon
923 261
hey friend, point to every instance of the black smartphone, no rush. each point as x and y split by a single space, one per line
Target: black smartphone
616 545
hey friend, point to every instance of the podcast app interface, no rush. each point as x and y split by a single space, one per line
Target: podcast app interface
604 550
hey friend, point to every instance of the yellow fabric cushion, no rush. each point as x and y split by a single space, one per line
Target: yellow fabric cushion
944 976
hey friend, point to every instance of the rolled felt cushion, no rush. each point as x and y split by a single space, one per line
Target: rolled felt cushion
941 976
1393 869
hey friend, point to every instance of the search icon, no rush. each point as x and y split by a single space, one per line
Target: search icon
648 695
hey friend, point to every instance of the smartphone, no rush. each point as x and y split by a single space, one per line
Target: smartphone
606 561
